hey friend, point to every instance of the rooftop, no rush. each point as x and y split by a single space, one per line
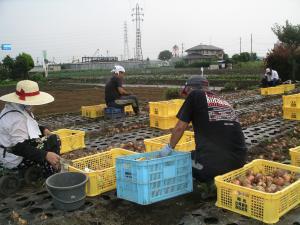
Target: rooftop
204 47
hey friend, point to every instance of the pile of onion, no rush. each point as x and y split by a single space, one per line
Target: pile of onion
270 183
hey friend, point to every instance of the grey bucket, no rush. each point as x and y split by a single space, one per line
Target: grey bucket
67 190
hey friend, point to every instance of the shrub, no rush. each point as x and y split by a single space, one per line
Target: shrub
200 64
229 86
37 77
171 93
180 64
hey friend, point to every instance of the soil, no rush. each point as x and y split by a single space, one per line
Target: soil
108 210
70 97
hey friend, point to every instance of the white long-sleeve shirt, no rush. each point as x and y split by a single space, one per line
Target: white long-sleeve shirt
273 76
15 127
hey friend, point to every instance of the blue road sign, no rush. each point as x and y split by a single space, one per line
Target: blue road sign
6 47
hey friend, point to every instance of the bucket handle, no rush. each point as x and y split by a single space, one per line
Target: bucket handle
63 201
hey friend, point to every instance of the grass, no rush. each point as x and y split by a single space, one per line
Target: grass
4 83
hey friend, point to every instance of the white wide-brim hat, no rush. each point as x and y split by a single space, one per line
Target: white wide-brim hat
28 93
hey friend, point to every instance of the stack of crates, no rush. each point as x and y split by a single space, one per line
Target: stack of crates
96 111
163 113
291 107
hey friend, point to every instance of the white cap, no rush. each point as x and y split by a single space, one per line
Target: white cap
268 70
117 69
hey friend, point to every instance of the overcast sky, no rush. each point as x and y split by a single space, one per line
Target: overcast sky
76 28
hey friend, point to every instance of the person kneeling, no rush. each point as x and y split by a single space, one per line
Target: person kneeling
22 140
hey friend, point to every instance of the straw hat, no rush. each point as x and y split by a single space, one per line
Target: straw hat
27 93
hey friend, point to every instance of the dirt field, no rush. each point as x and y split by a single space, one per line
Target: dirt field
69 98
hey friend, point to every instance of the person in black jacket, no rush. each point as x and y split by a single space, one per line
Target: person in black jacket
22 140
220 142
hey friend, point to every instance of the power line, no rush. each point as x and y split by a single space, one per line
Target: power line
240 45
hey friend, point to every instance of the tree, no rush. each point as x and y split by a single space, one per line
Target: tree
4 74
279 58
165 55
8 63
236 57
289 35
23 64
244 57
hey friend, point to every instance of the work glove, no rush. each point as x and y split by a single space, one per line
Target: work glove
165 151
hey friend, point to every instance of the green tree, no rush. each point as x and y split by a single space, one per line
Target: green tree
4 74
236 58
290 36
8 63
23 64
165 55
244 57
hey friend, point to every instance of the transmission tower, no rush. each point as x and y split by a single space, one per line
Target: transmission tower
126 48
137 18
175 51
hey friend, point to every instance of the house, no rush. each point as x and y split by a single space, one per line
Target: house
203 53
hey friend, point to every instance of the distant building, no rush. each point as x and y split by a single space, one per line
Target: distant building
203 53
40 69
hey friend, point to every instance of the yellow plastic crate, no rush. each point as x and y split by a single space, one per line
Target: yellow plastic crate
165 108
272 90
291 113
291 101
101 170
93 111
288 87
163 123
185 144
70 139
266 207
295 156
128 109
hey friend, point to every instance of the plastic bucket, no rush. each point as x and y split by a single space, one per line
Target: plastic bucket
67 190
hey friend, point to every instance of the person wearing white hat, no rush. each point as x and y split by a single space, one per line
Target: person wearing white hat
20 134
271 78
115 94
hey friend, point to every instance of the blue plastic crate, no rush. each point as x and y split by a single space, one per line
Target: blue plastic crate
113 113
145 178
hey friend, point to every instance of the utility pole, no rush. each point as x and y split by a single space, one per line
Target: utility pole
137 14
181 49
251 45
240 45
126 48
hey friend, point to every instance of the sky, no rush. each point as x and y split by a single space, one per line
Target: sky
71 29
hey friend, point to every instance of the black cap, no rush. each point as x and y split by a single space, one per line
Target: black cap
197 81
